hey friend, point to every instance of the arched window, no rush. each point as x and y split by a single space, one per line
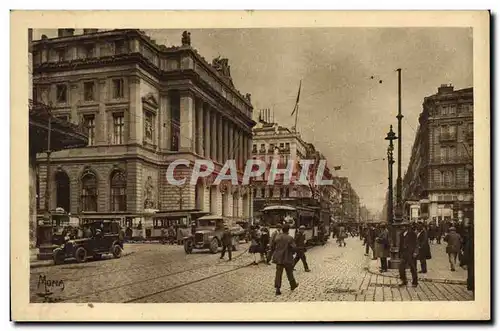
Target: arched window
118 191
89 192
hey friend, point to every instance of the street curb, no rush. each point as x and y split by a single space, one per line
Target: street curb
423 279
47 263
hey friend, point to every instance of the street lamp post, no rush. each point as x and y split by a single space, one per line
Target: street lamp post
394 259
399 182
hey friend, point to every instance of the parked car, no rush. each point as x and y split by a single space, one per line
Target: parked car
208 235
99 237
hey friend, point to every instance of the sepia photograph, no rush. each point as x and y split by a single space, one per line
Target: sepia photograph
254 163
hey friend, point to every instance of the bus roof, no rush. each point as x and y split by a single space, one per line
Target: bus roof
279 207
211 217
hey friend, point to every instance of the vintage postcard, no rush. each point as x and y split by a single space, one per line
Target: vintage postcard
250 166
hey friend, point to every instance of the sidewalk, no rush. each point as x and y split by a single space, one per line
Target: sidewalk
438 268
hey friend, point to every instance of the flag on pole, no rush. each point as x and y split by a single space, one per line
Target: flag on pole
298 98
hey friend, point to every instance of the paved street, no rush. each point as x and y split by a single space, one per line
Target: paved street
163 273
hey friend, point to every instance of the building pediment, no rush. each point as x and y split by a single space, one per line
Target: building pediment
150 100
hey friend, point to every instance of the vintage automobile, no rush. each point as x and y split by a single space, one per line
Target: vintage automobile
208 235
97 238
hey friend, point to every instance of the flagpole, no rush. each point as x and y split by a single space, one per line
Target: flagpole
296 116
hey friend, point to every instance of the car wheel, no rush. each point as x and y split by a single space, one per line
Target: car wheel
117 251
188 247
80 254
59 257
214 246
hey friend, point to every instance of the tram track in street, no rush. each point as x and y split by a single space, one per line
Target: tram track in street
166 275
73 266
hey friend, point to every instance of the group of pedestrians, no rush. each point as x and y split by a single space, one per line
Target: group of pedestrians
414 245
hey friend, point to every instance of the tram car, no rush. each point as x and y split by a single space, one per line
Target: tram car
272 215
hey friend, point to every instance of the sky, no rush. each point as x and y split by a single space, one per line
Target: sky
342 111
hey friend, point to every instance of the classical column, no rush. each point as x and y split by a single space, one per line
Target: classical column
236 139
199 127
206 139
231 141
241 149
187 119
220 142
135 117
74 98
101 120
249 147
213 137
165 122
225 140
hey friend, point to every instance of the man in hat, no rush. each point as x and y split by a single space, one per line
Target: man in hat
454 242
227 243
408 250
283 249
271 242
300 242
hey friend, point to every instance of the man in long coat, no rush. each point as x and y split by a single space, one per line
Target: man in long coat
408 251
382 247
283 249
453 248
424 251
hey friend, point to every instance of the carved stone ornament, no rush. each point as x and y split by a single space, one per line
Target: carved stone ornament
186 38
148 190
222 66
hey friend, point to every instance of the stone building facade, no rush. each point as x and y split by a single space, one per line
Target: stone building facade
274 142
143 105
438 183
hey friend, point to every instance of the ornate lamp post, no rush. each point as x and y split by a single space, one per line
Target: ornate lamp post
394 261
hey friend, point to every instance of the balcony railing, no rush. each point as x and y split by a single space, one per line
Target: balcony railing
447 137
449 186
450 160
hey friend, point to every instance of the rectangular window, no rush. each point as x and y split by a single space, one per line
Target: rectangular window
118 88
287 146
89 122
254 148
119 47
262 192
271 192
88 91
63 117
61 54
118 128
62 93
453 109
89 51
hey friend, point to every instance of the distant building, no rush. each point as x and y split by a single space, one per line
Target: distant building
143 105
438 183
274 142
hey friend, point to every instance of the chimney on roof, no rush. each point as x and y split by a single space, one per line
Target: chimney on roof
445 88
65 32
88 31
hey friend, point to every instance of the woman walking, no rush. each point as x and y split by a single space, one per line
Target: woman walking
254 243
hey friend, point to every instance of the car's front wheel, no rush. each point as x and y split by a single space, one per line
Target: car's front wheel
80 254
214 246
117 251
59 257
